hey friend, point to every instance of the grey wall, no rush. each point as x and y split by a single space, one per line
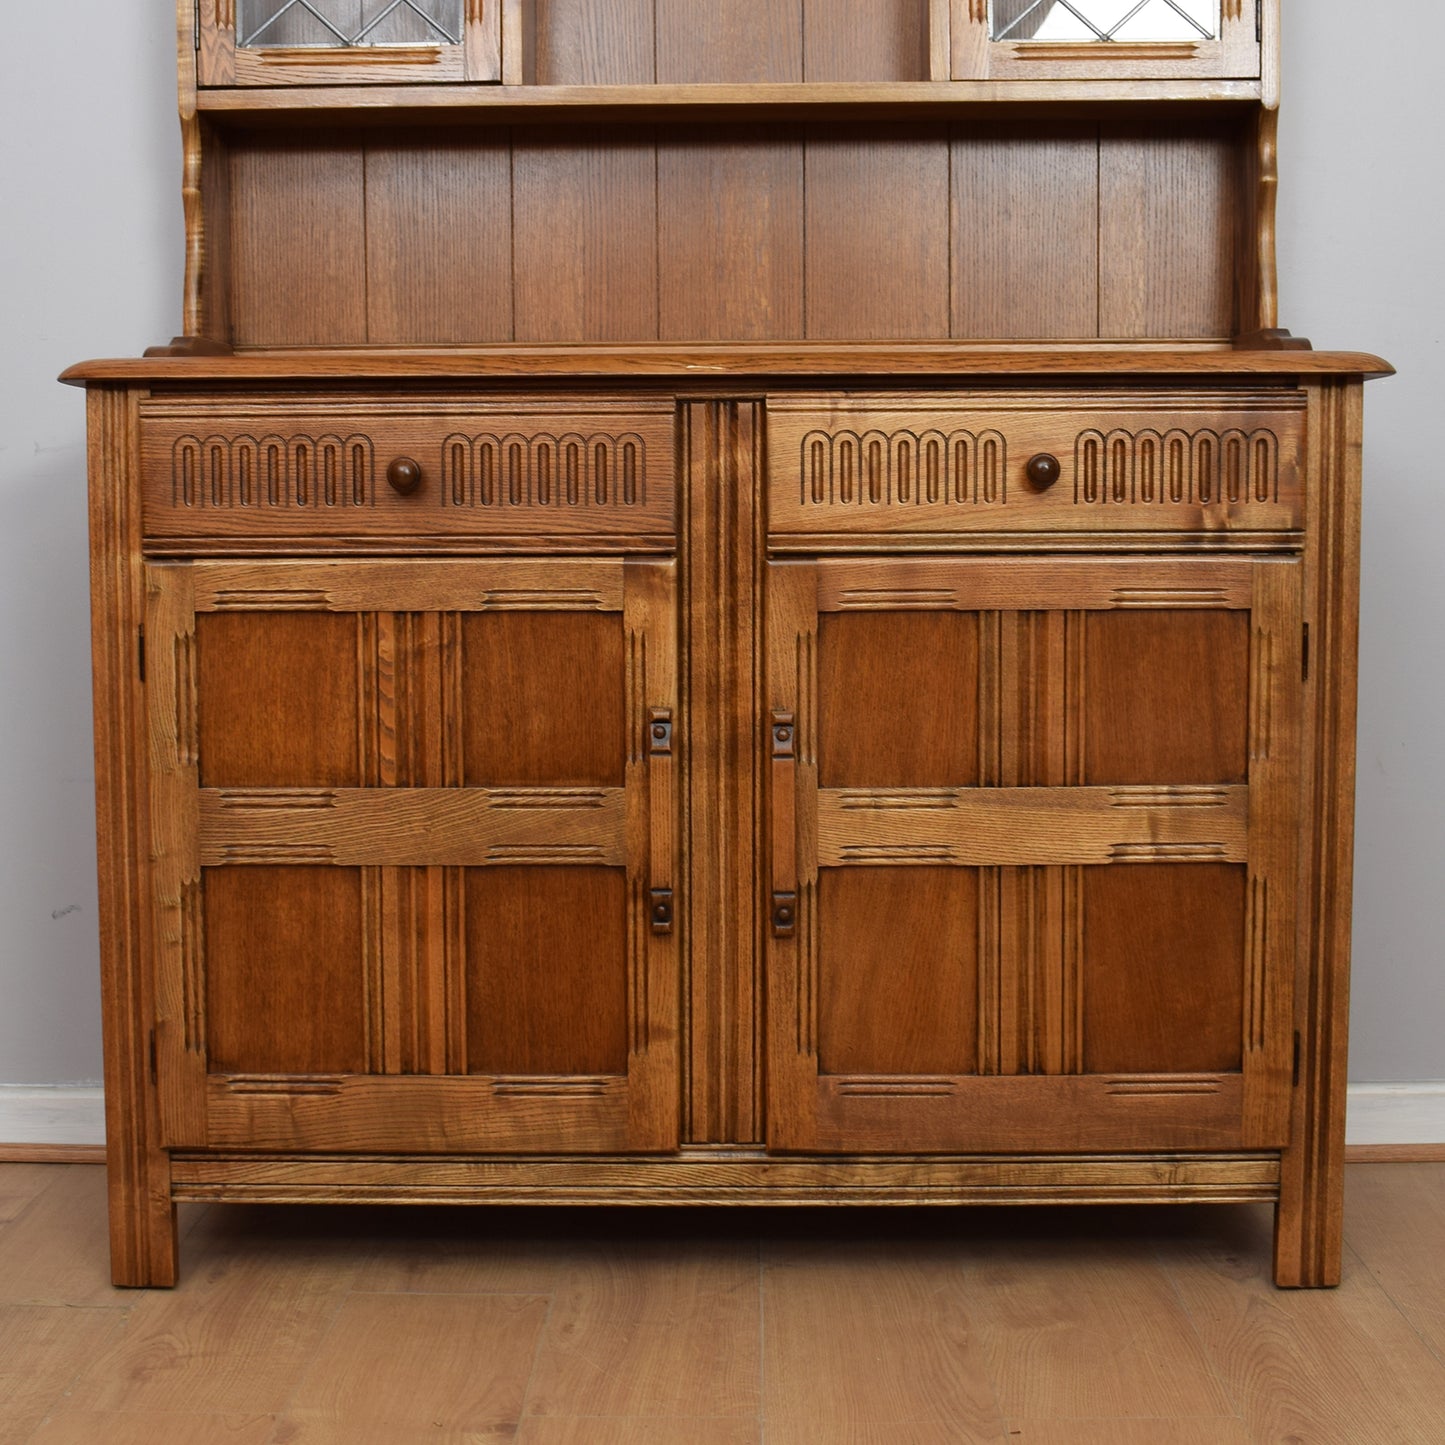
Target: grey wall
90 261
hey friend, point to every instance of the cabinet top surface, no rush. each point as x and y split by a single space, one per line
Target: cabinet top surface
934 360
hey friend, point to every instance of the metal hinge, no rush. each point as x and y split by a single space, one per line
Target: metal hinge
153 1056
1305 654
1298 1051
140 651
196 27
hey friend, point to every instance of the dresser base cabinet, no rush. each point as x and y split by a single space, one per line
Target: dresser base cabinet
600 794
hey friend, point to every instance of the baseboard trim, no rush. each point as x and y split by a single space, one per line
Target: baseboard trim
1400 1122
52 1153
51 1119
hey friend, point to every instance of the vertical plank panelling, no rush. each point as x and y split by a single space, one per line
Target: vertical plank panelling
877 226
722 685
1025 202
595 42
730 234
729 40
1166 234
439 241
585 215
865 40
298 245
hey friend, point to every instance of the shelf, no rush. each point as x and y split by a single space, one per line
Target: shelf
502 104
700 362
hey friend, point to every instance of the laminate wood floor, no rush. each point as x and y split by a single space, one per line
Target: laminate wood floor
312 1326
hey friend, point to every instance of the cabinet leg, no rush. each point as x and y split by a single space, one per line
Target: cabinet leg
144 1244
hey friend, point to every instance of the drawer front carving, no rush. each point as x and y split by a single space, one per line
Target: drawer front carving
585 476
1019 463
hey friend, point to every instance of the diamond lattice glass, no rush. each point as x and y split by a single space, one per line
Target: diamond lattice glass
1100 21
262 24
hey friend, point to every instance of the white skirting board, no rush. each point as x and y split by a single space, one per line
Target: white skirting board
1378 1114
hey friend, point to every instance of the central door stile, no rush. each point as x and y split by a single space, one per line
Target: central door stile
653 876
792 997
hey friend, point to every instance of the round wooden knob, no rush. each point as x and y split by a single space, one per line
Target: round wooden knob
404 475
1043 471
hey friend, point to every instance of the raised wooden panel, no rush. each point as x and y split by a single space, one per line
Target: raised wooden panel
595 42
865 40
543 699
730 234
285 975
546 976
1163 969
593 473
438 241
877 219
585 216
898 700
298 245
1226 466
1165 696
1167 228
729 41
1024 208
277 699
897 971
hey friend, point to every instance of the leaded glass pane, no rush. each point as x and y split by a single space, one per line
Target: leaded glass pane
262 24
1104 20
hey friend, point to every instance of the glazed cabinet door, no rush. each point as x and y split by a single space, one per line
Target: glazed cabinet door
347 42
1032 864
1108 39
413 834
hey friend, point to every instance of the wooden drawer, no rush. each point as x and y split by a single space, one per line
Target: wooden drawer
578 474
844 468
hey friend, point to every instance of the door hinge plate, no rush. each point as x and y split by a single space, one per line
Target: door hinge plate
1298 1053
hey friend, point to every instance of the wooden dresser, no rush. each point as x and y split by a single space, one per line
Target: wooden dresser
726 603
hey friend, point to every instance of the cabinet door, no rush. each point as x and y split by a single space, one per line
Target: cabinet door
1033 854
347 42
1106 39
413 848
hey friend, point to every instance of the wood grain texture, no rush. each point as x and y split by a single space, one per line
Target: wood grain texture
1064 1345
1163 968
265 1014
889 1339
897 697
298 245
546 971
1310 1238
262 683
1166 235
730 234
799 360
142 1217
865 40
588 213
1391 1210
595 42
877 226
1332 1368
41 1351
1165 697
542 699
721 612
909 936
687 1326
417 1362
729 41
82 1427
438 241
1024 206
